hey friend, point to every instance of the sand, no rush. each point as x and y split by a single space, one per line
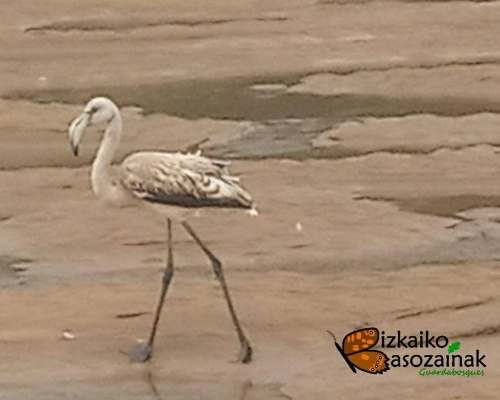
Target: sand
371 125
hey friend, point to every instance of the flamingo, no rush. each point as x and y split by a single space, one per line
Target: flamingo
173 185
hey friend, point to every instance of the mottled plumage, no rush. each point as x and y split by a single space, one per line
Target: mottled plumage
184 180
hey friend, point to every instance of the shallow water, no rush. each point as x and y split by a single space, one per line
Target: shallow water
234 99
280 123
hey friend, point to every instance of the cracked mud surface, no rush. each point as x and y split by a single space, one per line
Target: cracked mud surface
372 125
127 25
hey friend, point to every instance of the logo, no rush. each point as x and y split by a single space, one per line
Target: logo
357 354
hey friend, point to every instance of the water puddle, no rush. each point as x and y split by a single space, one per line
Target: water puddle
441 206
280 123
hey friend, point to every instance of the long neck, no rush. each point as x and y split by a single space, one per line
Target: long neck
101 168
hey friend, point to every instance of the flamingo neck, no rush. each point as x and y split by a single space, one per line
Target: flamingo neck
101 175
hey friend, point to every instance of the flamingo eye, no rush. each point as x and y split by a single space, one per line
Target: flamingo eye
92 110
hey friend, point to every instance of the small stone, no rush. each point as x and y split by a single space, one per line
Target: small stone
298 227
68 335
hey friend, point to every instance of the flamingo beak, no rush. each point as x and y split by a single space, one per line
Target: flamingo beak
76 130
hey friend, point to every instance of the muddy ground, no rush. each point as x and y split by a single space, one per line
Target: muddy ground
367 132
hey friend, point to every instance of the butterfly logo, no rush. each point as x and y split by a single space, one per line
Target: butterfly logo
356 353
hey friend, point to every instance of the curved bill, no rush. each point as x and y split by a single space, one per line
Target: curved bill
76 130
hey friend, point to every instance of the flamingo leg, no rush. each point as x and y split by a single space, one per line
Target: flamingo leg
246 349
143 351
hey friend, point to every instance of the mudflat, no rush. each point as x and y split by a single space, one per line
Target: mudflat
367 133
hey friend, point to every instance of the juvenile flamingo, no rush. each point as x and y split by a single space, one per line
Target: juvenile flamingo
173 185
